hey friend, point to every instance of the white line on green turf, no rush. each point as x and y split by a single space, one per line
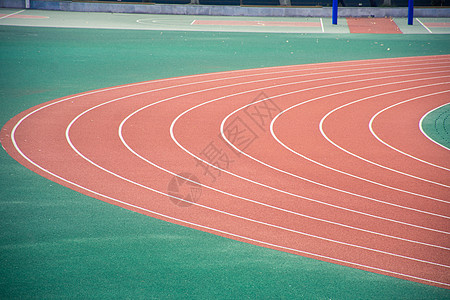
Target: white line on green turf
424 25
17 12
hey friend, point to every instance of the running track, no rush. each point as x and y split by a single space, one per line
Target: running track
326 161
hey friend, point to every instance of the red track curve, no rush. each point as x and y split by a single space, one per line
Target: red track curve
286 157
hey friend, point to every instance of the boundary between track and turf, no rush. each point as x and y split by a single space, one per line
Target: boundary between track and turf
424 132
203 206
128 204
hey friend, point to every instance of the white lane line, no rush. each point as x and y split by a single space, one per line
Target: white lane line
155 164
423 131
16 13
339 171
428 29
198 225
322 131
67 134
120 133
43 169
195 224
222 126
396 149
321 25
261 184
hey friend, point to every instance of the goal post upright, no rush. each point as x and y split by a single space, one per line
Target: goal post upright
335 12
410 12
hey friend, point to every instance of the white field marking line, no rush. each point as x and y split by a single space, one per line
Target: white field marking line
235 215
213 209
423 131
321 25
339 171
65 180
294 175
392 147
165 88
322 131
424 25
202 226
16 13
160 21
428 58
243 177
120 132
226 171
69 141
193 22
240 76
223 135
150 91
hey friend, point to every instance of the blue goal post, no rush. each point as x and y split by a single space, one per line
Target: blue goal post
334 16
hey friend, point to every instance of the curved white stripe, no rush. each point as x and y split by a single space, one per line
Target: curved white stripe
233 174
191 223
120 132
198 158
221 211
322 131
74 184
336 170
396 149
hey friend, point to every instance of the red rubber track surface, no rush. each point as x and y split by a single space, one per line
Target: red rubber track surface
325 161
437 24
372 25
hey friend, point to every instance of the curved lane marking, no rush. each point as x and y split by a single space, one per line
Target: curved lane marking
334 169
372 120
367 160
214 209
120 133
162 215
261 184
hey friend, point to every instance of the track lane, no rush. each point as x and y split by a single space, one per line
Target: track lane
87 132
322 152
429 153
425 173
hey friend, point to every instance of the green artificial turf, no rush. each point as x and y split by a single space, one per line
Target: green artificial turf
436 125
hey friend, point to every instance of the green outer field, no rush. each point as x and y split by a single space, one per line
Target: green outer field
436 125
57 243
